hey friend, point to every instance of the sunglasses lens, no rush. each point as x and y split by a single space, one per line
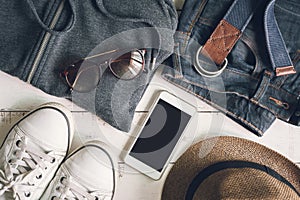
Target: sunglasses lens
128 65
84 75
70 74
86 78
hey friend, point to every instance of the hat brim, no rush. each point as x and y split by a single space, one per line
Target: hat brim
223 149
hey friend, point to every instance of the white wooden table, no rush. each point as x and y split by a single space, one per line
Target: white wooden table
18 97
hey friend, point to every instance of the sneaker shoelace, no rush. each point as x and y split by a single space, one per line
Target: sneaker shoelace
69 189
28 163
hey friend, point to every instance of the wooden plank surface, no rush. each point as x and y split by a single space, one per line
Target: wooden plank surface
17 98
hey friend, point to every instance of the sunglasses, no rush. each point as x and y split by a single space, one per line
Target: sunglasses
84 75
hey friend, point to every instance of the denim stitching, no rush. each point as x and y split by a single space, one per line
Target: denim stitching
269 109
286 10
262 87
255 101
271 85
206 21
243 96
276 85
199 11
220 108
225 92
223 36
184 43
282 90
281 81
202 86
183 32
191 26
242 74
182 36
261 90
225 111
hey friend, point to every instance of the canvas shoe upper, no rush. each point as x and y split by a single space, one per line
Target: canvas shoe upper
88 173
32 151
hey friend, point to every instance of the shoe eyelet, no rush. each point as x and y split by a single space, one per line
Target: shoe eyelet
96 198
27 194
62 179
53 160
39 176
53 198
18 143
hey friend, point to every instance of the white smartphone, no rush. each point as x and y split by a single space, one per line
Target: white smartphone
162 130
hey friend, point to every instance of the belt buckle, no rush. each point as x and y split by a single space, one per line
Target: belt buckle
205 72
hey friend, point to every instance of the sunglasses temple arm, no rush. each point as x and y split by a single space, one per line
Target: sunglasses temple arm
101 54
154 57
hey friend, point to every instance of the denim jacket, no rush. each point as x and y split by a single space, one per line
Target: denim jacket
247 90
39 38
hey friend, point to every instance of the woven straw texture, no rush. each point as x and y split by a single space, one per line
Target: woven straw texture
232 183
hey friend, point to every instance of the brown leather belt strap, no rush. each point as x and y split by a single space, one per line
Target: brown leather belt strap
229 30
220 43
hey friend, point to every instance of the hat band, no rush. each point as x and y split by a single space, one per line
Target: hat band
205 173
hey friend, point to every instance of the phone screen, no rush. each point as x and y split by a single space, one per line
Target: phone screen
160 135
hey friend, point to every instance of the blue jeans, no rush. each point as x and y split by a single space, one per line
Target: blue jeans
247 90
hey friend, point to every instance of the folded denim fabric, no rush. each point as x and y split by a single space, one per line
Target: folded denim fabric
248 91
39 38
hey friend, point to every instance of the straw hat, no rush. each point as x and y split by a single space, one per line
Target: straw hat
232 168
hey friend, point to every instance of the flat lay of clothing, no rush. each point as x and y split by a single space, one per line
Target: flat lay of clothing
256 84
241 57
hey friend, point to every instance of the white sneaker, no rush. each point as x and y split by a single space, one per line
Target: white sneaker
88 173
32 151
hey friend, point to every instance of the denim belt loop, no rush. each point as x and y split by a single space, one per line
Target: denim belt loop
262 87
177 61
